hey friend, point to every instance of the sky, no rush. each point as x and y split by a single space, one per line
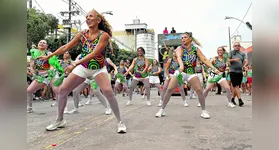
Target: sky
204 18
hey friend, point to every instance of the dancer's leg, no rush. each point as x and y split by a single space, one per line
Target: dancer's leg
116 87
147 88
105 85
158 87
195 83
67 86
182 93
101 97
33 87
132 87
226 86
207 89
125 88
166 83
173 83
76 93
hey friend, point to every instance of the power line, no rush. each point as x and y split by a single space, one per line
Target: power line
242 20
39 6
77 6
57 15
65 1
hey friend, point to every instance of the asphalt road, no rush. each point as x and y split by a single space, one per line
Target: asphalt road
181 128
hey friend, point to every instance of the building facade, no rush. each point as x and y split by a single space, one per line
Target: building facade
136 35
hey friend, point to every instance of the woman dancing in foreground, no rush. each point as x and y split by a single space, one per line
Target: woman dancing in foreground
95 42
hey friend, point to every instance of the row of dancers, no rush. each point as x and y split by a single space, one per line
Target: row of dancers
91 68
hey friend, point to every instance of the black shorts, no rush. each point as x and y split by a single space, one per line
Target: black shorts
236 78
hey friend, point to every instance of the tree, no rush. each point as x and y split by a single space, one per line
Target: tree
39 25
53 22
54 44
36 27
124 55
121 54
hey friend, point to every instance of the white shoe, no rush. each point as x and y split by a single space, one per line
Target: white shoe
73 111
66 110
80 104
185 103
30 110
129 103
121 127
160 103
148 103
89 102
55 125
108 111
199 105
160 113
54 104
205 114
231 105
194 97
142 96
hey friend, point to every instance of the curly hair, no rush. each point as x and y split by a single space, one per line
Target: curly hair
103 25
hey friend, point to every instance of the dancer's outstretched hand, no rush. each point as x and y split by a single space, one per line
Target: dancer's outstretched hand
216 71
115 70
69 69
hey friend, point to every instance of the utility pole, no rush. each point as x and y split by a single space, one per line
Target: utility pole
69 29
229 38
30 3
67 23
135 33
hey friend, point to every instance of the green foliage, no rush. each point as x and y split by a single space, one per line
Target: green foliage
121 54
38 26
55 43
52 21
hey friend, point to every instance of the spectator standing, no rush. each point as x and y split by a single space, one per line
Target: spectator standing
166 31
238 63
172 30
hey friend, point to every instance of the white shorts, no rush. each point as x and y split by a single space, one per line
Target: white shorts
200 76
140 79
210 76
84 72
185 77
46 81
154 79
